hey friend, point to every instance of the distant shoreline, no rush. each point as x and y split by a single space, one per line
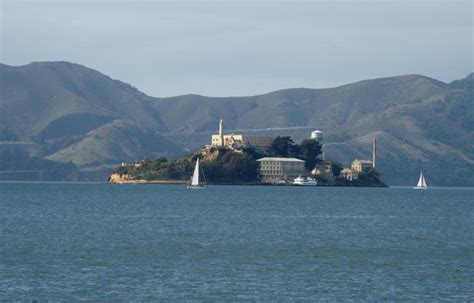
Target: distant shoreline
183 182
171 182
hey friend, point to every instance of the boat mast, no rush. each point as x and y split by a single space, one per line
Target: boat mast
203 176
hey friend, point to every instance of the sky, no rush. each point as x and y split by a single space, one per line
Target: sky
241 48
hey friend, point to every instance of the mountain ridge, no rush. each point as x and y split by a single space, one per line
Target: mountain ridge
75 114
68 63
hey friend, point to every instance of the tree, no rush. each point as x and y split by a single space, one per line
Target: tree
158 163
284 147
370 177
310 150
240 167
336 168
231 167
254 153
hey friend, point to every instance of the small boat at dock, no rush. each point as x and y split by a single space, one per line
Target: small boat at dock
308 181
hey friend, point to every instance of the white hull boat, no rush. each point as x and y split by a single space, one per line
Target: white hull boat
300 181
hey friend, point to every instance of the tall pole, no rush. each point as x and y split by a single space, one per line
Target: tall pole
374 152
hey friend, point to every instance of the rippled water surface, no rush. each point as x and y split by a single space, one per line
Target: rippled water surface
132 242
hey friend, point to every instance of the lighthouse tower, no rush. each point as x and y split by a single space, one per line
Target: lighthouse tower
221 131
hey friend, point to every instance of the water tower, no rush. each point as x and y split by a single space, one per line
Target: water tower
317 135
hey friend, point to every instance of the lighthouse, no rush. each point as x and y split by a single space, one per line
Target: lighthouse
221 131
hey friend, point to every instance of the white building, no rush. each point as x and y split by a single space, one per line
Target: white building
276 170
237 140
348 174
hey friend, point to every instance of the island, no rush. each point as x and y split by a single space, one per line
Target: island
236 159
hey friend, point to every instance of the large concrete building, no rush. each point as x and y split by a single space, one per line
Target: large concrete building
257 142
277 170
237 140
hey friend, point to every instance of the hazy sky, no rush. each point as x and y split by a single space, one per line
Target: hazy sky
229 48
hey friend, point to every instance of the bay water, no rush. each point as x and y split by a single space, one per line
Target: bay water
93 241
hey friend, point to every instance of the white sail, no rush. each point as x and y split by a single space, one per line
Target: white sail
421 181
195 180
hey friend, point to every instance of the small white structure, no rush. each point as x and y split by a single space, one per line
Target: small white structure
317 135
348 174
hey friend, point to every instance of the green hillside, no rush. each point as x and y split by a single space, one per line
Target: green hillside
69 113
65 112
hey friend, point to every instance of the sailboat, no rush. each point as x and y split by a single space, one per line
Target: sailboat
421 182
195 184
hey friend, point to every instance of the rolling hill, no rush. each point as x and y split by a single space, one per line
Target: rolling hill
66 113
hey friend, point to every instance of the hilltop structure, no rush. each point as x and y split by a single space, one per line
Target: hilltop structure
238 140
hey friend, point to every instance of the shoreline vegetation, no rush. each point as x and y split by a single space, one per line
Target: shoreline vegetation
239 166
